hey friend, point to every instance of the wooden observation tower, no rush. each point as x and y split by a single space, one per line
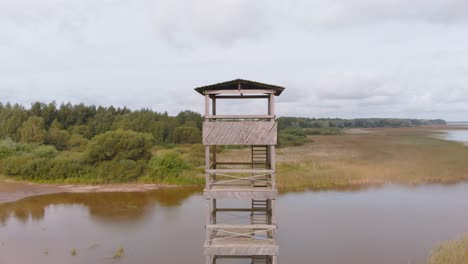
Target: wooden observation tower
246 230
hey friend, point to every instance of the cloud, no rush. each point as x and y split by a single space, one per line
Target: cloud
222 21
339 13
341 58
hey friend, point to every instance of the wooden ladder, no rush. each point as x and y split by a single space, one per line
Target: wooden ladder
259 214
261 259
260 161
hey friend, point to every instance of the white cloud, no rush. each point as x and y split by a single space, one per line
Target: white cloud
340 58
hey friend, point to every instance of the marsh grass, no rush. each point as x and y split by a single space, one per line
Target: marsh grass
451 252
379 156
119 252
396 155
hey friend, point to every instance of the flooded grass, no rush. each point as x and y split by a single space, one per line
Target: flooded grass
119 252
451 252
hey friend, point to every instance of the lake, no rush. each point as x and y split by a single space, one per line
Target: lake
390 224
459 135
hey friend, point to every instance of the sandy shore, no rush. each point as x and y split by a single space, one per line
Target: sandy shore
13 191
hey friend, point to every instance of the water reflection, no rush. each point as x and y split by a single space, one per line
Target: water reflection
385 225
107 206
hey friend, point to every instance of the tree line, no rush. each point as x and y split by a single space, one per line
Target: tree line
304 122
79 143
71 124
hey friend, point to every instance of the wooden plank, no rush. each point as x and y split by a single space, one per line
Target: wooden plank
240 133
225 226
239 210
239 171
255 193
242 249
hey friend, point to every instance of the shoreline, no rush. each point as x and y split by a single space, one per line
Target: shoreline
11 191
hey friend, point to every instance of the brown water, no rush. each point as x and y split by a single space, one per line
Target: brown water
391 224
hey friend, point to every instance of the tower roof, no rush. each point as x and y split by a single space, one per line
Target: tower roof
242 84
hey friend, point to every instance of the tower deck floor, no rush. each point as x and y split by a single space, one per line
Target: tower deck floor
240 192
223 244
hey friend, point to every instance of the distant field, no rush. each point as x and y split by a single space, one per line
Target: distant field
370 157
385 155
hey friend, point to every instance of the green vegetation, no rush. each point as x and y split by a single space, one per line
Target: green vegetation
89 144
451 252
73 252
292 136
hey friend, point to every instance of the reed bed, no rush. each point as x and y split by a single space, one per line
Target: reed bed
379 156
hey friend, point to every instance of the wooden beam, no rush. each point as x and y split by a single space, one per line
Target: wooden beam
223 226
241 97
241 91
239 116
239 171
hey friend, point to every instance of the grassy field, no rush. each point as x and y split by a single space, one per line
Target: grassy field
370 157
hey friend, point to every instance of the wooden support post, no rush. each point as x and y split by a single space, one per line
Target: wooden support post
207 221
213 105
207 105
271 105
273 212
272 165
214 211
207 167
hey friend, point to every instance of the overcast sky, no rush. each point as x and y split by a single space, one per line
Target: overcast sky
336 58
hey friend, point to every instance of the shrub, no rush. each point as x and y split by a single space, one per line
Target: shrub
186 135
120 170
119 145
78 142
45 151
57 137
7 148
292 137
15 164
32 130
323 131
167 165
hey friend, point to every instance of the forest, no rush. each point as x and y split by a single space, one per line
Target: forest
95 144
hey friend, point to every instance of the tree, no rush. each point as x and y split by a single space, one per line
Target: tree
57 137
119 145
32 131
186 135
